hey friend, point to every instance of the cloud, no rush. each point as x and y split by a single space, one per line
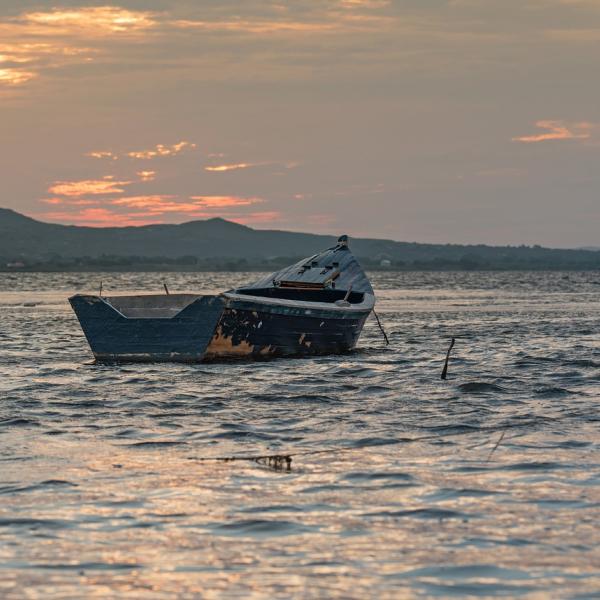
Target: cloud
162 150
233 167
20 62
102 154
240 166
14 76
197 206
57 38
146 175
97 217
84 187
213 202
353 4
255 26
558 130
155 152
151 204
68 201
152 208
86 21
301 19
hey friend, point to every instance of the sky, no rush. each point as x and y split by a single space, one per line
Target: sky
459 121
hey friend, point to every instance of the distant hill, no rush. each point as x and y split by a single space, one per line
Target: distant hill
216 243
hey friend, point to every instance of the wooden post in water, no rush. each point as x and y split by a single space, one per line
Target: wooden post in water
166 289
445 369
385 337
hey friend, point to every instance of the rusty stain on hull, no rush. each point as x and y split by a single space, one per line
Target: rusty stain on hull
224 346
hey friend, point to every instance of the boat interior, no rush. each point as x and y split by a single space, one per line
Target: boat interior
166 306
151 306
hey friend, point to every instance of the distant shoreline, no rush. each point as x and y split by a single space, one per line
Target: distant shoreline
257 269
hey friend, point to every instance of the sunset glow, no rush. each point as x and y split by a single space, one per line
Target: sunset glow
394 119
15 76
98 20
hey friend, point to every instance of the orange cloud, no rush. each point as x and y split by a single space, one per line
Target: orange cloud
102 154
86 21
15 76
238 166
66 34
232 167
160 203
140 210
558 130
162 150
146 175
156 203
37 56
68 201
88 186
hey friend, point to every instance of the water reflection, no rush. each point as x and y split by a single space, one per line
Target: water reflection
105 489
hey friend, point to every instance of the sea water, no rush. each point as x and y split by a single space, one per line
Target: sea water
401 484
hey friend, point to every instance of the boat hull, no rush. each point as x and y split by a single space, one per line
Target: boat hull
218 327
256 329
112 336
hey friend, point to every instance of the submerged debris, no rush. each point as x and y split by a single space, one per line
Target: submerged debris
283 462
278 462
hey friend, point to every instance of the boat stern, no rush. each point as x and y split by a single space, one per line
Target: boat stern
176 327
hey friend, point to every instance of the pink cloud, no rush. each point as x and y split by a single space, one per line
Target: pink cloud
83 187
96 217
558 130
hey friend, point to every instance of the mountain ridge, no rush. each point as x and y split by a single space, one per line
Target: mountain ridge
26 241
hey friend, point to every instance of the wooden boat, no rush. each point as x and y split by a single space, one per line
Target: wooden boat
316 306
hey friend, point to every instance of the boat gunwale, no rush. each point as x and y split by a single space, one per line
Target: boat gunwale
106 300
367 304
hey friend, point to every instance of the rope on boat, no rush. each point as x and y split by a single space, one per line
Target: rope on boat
387 341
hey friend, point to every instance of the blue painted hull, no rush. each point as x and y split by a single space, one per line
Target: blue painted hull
115 337
254 329
217 327
316 306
